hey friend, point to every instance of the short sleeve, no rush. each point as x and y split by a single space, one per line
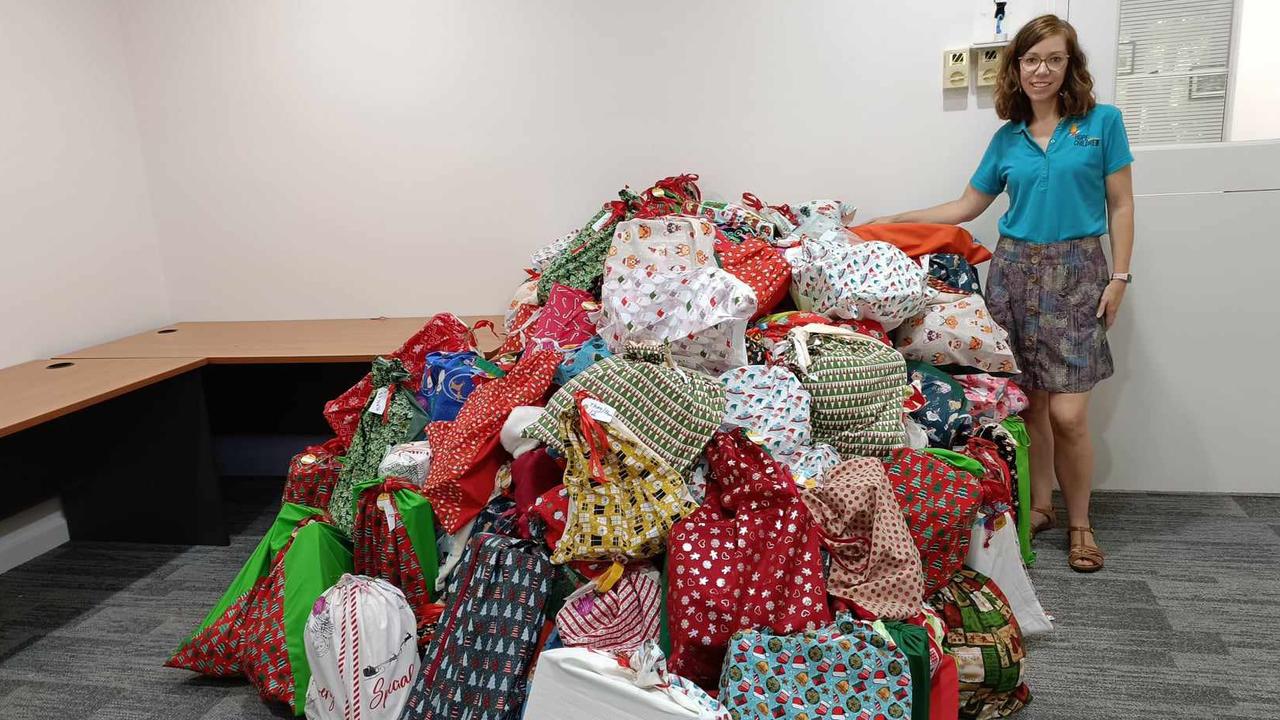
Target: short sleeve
986 179
1115 143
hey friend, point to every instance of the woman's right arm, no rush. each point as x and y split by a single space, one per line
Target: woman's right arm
968 206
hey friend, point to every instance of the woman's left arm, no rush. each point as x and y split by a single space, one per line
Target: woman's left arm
1120 223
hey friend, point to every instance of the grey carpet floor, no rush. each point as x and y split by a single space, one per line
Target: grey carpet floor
1183 623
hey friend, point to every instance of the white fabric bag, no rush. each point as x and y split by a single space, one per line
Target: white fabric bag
581 684
411 461
957 329
362 644
1001 560
860 281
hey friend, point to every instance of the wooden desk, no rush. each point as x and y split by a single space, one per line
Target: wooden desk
275 341
39 391
124 442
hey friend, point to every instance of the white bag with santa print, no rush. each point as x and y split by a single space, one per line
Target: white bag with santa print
361 642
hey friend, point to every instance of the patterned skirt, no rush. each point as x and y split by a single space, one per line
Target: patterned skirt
1046 295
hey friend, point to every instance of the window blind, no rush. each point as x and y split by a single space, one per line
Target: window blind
1172 61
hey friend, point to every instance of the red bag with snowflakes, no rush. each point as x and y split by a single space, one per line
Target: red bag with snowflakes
395 539
466 452
312 474
756 263
940 503
442 333
749 557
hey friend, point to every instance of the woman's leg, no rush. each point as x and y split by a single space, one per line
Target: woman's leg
1073 464
1041 432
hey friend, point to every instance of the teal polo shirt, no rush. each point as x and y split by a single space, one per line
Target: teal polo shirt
1058 194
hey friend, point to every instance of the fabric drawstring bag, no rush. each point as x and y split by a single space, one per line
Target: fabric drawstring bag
623 498
447 381
782 217
479 657
672 410
845 669
617 620
582 265
939 503
760 266
1017 428
954 270
993 551
874 561
736 222
564 321
360 646
772 404
410 461
442 333
256 628
580 358
945 413
631 684
870 280
312 475
393 416
750 556
395 539
857 385
921 239
957 333
985 639
467 452
992 397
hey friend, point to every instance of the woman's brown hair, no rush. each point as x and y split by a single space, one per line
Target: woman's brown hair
1076 96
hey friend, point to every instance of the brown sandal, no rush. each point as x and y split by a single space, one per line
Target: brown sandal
1050 520
1082 558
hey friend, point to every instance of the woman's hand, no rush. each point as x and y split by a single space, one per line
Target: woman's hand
1109 305
884 220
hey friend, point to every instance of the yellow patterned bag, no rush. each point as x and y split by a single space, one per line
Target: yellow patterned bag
623 498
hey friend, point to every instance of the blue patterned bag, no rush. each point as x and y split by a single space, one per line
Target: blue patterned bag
845 665
477 664
448 379
580 358
945 416
955 271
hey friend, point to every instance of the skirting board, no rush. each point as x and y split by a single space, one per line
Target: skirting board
31 533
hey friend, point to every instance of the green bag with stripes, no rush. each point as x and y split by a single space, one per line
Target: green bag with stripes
858 385
673 410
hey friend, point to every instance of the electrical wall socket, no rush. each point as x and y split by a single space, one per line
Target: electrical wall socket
988 65
955 68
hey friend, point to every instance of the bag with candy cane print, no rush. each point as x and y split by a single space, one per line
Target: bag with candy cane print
749 557
843 671
360 642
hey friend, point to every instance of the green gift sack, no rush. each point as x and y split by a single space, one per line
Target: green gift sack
392 416
581 266
1017 427
673 410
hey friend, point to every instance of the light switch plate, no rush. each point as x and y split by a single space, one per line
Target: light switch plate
987 62
955 68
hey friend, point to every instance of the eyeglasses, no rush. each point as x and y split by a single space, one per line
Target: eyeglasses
1031 63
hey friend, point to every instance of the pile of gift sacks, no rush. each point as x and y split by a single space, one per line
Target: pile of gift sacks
731 460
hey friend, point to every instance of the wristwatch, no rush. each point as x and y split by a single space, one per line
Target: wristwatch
1122 277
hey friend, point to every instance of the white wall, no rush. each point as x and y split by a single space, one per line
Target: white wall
77 241
1255 101
336 158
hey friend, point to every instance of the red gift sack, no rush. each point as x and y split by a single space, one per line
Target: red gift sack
466 452
442 333
394 539
749 557
940 503
756 263
312 474
562 322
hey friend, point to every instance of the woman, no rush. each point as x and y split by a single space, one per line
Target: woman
1065 162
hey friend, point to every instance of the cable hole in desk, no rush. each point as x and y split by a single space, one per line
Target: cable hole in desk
58 365
166 331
